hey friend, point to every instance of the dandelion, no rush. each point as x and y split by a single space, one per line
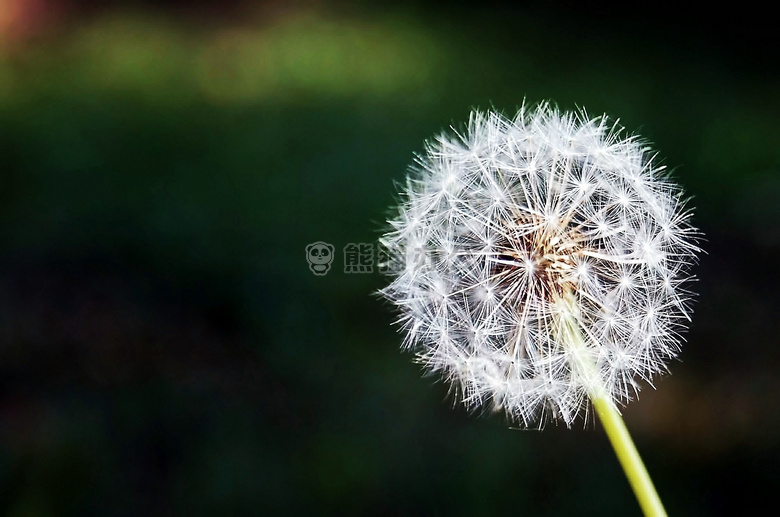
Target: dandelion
540 262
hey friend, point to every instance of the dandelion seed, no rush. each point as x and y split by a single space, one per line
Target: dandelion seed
549 268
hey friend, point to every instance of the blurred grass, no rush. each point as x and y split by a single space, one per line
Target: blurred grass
165 348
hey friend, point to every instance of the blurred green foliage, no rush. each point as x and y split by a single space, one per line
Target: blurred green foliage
164 348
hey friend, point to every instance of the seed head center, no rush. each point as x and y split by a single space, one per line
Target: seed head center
545 256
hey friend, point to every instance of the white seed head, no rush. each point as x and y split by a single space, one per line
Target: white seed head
516 225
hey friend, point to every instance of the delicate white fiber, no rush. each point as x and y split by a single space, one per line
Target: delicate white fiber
506 226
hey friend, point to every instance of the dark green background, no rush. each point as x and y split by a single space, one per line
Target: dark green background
164 348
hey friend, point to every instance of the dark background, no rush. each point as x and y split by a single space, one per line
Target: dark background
164 348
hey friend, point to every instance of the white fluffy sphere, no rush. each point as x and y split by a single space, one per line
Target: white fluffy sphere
505 226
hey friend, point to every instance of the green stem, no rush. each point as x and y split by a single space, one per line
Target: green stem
584 366
629 457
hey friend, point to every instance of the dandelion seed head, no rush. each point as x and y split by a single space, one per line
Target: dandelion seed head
515 225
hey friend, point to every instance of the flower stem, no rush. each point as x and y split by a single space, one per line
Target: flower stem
584 365
629 457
